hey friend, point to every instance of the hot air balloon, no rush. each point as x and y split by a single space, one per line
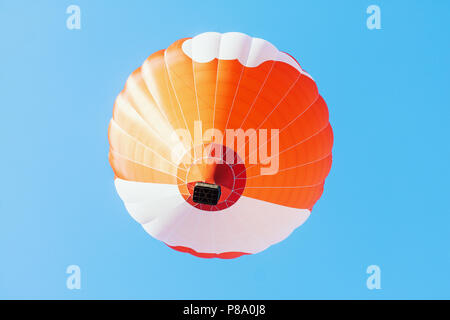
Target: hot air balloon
220 145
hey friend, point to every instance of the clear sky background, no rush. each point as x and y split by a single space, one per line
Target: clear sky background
386 200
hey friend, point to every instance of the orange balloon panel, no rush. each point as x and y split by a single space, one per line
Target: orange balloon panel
227 112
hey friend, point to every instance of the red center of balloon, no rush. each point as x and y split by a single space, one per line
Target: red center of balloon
224 170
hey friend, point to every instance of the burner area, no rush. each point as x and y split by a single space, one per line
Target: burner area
206 193
212 182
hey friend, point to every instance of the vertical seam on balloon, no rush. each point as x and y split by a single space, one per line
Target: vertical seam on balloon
170 232
289 229
149 127
239 82
293 167
176 97
195 242
284 187
217 80
145 146
233 216
158 104
212 231
257 95
282 129
297 144
131 104
195 88
234 98
197 227
265 119
304 140
282 99
251 234
262 240
140 163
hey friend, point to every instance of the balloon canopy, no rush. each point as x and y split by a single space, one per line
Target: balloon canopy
220 145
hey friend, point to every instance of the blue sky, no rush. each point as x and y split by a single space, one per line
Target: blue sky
385 200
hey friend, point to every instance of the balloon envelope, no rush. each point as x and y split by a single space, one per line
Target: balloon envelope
230 111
